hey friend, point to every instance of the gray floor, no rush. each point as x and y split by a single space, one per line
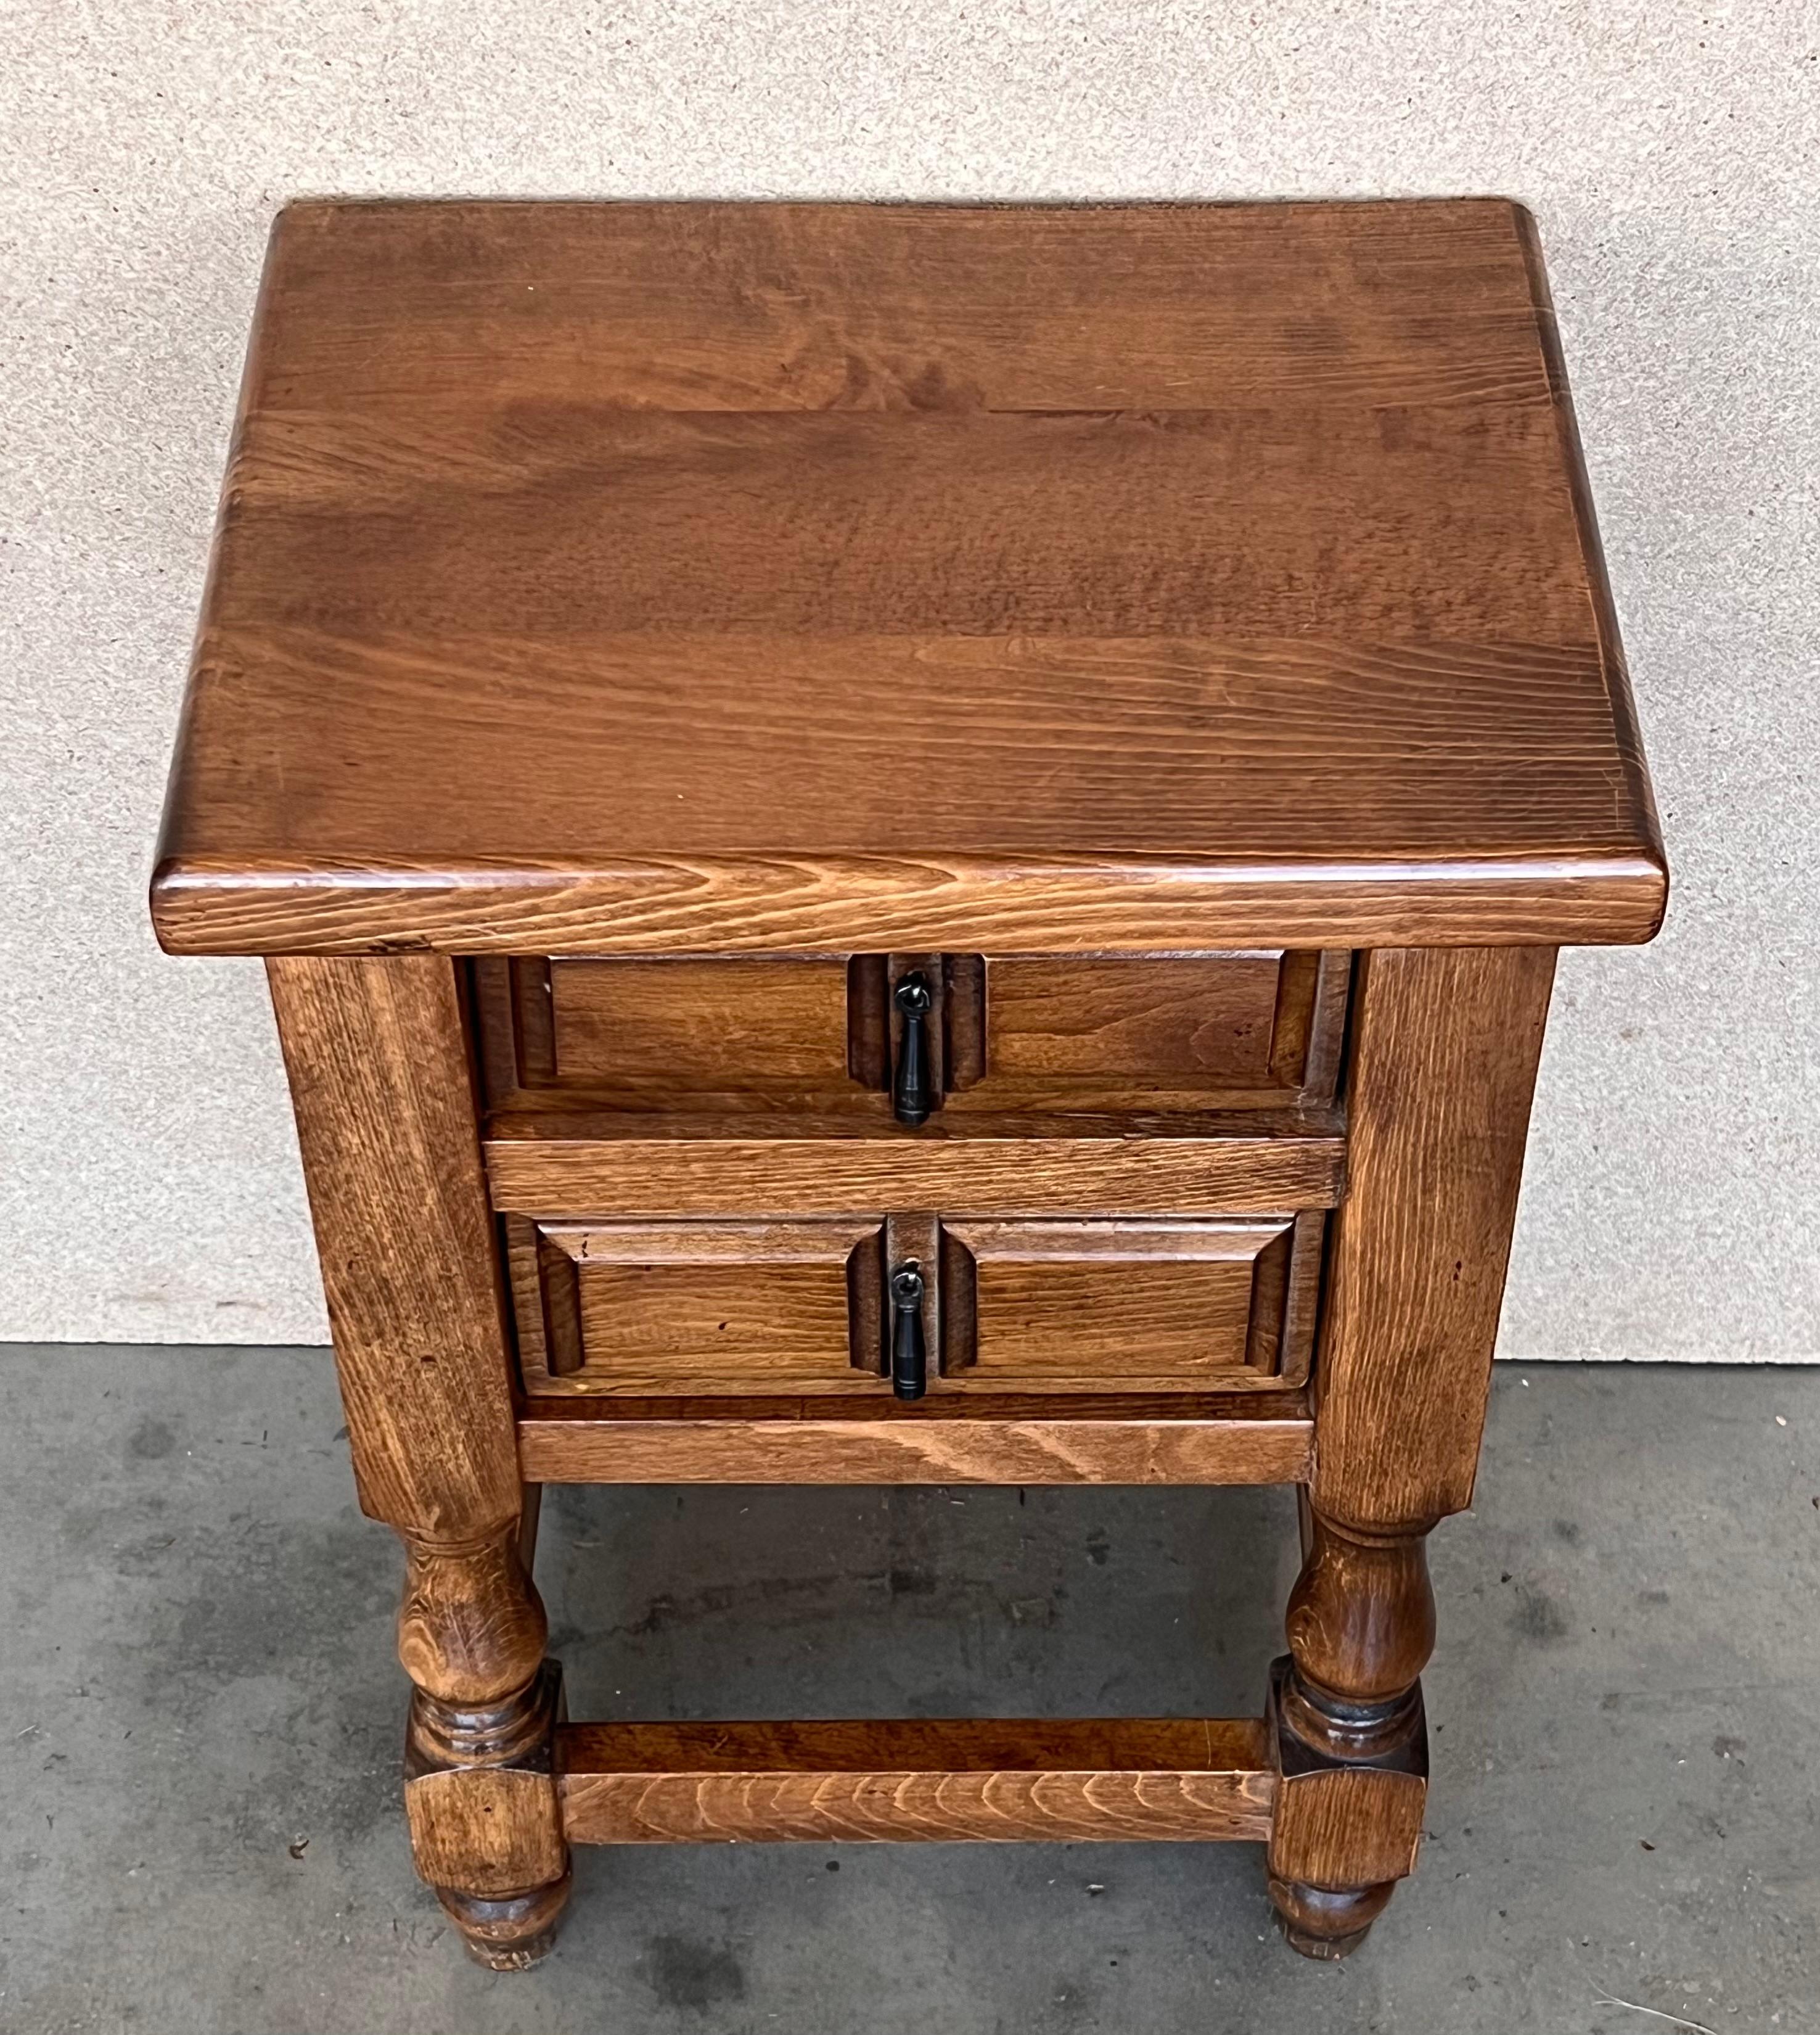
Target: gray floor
199 1727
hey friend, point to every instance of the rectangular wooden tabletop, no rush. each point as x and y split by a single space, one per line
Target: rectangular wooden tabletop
622 578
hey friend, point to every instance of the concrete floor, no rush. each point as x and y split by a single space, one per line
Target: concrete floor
200 1725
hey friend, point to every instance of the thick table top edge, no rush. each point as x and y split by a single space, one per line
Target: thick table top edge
842 905
1503 797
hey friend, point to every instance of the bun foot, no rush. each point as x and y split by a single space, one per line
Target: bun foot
511 1933
1321 1923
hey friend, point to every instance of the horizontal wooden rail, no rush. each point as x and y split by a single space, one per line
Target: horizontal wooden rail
1256 1437
1188 1779
635 1172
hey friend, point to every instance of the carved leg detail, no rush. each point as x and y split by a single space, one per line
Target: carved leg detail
479 1787
1327 1925
511 1935
1351 1740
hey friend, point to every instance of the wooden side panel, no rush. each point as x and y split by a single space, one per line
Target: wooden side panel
1191 1779
1445 1049
386 1117
534 1019
495 1029
705 1307
1090 1306
1310 1020
869 1044
1285 1294
1327 1026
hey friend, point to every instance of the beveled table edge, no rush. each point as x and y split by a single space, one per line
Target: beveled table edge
846 904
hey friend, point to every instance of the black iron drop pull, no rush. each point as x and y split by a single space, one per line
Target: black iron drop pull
911 1101
909 1355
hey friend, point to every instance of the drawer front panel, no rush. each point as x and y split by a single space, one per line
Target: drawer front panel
696 1307
1018 1034
700 1025
655 1035
1187 1021
1091 1305
1136 1305
1181 1032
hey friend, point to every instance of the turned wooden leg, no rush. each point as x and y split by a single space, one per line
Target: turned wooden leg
381 1079
479 1785
1351 1740
1442 1055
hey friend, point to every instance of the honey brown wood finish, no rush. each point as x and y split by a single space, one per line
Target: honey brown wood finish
808 1166
740 1307
909 845
377 1056
1444 1048
694 1308
1145 1307
1007 1036
1004 1439
1187 1779
1303 639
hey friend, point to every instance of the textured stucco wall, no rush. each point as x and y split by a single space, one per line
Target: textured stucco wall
149 1187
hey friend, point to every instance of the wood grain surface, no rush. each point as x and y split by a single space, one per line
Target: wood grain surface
386 1116
1189 1779
633 1166
1350 1827
487 1832
1073 1035
1207 1019
387 1113
1259 1438
756 307
1444 1055
683 1025
710 1309
1228 572
1098 1305
684 1308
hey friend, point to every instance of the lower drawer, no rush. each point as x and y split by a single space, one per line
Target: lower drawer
1139 1304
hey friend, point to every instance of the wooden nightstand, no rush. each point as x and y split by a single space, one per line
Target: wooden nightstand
909 845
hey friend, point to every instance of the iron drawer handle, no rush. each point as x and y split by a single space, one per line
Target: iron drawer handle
909 1356
910 1098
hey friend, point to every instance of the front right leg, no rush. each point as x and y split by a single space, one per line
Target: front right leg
1351 1739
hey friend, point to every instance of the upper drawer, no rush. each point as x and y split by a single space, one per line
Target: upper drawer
1021 1033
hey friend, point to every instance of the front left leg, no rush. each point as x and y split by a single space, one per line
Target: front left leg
480 1787
388 1123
